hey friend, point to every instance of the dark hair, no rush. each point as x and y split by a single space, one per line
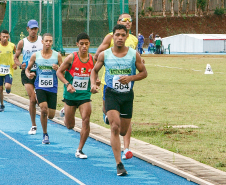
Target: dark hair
123 14
82 36
46 34
5 31
119 27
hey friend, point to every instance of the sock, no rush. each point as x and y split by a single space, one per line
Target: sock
8 91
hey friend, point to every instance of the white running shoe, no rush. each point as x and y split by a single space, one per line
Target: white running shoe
80 154
33 130
62 112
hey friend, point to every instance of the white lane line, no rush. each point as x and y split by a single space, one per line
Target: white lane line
51 164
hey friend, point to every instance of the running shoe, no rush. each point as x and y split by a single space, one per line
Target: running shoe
127 154
80 154
62 112
45 139
121 171
105 119
2 108
33 130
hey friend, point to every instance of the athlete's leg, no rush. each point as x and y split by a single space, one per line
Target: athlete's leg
44 112
69 119
85 112
32 107
8 87
115 123
51 113
126 138
1 94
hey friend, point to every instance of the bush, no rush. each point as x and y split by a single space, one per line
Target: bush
150 9
219 11
142 13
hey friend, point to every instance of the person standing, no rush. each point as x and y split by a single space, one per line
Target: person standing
27 46
46 82
131 41
140 43
120 64
158 44
7 65
77 68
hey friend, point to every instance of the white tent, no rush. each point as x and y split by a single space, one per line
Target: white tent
196 43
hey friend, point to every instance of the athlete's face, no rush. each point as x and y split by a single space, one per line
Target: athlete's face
125 20
32 32
47 42
83 45
4 38
119 37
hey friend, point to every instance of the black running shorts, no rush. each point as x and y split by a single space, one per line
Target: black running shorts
25 79
75 103
46 96
120 101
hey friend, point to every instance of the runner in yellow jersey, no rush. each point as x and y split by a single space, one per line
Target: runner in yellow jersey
131 41
7 65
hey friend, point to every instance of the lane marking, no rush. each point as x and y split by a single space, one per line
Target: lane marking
42 158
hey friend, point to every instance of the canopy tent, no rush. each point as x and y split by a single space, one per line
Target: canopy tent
196 43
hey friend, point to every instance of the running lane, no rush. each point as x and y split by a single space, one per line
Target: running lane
25 160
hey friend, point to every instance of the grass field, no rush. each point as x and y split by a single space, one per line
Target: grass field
176 92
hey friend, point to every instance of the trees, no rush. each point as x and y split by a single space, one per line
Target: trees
180 5
172 9
164 8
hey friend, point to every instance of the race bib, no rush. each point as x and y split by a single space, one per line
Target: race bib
80 83
4 69
45 81
120 87
34 67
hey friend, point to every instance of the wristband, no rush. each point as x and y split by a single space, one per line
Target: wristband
67 84
20 66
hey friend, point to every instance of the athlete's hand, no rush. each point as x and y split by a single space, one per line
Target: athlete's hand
31 75
98 82
23 66
70 89
14 66
55 67
124 79
94 89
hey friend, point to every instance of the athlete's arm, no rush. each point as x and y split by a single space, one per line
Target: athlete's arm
60 72
28 72
55 66
17 54
141 75
94 73
14 66
104 45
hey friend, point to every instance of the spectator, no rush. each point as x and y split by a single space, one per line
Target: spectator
140 43
158 44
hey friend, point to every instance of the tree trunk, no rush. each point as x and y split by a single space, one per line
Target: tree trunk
180 5
172 9
151 3
164 8
208 8
143 4
187 8
222 3
196 9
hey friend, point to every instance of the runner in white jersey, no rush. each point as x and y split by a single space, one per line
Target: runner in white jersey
27 47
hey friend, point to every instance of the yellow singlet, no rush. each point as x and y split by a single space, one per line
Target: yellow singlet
6 58
131 41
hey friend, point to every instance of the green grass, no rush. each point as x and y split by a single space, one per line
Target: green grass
176 92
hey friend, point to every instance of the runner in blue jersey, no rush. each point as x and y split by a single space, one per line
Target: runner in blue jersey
120 63
46 82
